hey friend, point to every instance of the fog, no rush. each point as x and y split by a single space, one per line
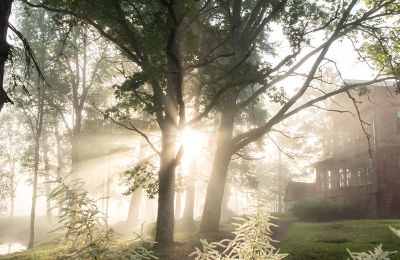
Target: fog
135 125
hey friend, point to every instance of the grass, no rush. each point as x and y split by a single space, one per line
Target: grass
309 241
329 240
48 251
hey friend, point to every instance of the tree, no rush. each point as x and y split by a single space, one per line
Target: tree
299 20
161 39
5 11
149 34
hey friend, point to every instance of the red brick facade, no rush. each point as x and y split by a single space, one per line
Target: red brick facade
350 173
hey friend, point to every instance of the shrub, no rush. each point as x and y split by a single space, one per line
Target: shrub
252 241
377 254
86 231
324 210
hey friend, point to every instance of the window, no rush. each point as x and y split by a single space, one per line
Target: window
348 176
342 178
361 174
398 120
329 173
322 181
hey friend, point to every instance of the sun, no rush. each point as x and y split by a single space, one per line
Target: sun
192 141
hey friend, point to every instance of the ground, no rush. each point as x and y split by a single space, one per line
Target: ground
326 241
330 240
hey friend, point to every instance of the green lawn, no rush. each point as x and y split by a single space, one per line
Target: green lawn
329 240
46 251
308 241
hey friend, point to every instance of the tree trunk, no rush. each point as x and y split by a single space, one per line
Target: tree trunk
215 189
136 197
188 213
178 205
75 142
47 177
134 207
12 197
38 133
166 177
226 212
5 11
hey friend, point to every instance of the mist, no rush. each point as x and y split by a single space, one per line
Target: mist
199 129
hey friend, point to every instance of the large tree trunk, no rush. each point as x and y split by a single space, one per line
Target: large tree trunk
5 11
188 213
166 177
215 189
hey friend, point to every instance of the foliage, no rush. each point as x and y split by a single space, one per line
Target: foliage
252 241
143 175
324 210
86 232
377 254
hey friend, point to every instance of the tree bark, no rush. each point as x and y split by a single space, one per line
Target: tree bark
5 11
215 189
166 177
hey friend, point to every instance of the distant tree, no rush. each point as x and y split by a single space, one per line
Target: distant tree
14 141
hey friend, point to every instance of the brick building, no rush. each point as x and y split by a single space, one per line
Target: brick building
349 172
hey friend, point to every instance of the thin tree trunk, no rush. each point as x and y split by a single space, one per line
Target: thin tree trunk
225 211
47 177
60 165
188 213
38 134
12 197
5 11
178 205
134 207
215 189
136 197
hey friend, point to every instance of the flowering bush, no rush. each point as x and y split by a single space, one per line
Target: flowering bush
252 241
377 254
